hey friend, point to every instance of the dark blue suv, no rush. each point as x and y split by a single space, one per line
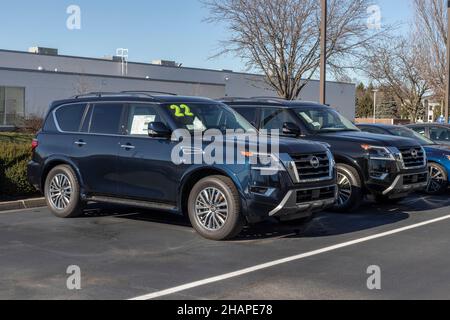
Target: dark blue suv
119 148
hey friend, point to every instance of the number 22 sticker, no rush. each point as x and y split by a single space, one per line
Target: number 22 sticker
182 111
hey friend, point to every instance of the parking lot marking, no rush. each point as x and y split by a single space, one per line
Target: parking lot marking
271 264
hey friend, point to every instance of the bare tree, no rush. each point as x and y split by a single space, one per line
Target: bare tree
431 37
281 38
395 66
82 86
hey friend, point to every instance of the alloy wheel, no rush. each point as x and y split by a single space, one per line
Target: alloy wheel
211 209
60 191
437 179
345 189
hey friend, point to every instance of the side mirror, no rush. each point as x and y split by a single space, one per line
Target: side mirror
158 130
290 128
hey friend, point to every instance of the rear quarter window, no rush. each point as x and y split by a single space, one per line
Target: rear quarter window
69 117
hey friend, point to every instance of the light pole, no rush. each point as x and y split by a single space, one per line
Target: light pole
323 53
447 91
375 105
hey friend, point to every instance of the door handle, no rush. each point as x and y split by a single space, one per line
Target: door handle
80 143
128 146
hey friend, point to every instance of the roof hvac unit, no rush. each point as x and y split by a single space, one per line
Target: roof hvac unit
42 50
165 63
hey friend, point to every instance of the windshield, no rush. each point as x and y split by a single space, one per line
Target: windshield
203 117
324 120
408 133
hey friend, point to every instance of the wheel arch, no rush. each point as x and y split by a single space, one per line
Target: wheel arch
56 161
446 169
194 176
341 159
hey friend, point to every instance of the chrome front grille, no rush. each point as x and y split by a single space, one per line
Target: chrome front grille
413 157
314 167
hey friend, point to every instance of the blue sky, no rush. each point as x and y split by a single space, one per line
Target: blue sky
150 29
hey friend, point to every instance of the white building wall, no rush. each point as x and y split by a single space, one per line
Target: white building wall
76 75
42 88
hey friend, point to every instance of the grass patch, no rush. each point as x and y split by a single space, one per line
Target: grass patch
15 137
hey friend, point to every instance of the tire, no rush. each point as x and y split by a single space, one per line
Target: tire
350 189
438 179
66 205
386 200
208 217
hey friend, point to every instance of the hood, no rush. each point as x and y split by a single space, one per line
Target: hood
438 148
295 146
285 145
368 138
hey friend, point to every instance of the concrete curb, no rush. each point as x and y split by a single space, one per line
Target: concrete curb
22 204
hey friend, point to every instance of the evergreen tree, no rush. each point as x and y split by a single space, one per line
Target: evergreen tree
364 101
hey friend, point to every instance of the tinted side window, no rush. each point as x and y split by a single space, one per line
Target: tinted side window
249 113
69 117
439 134
420 130
106 118
274 118
140 116
49 125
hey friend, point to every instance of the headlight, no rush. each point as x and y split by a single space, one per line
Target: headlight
448 156
266 163
380 153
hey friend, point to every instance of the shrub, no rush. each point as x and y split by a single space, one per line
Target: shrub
14 157
31 125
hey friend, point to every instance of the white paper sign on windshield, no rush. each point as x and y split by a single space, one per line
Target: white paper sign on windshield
140 124
310 121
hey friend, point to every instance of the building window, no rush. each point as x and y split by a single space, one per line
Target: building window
12 105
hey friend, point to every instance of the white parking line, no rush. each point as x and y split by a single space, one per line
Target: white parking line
271 264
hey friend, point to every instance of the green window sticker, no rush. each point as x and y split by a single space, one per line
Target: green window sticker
177 110
182 111
187 110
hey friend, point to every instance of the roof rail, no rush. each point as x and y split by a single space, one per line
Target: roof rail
147 94
269 98
261 99
94 94
150 92
232 98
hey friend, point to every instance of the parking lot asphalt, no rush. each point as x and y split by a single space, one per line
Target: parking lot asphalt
126 253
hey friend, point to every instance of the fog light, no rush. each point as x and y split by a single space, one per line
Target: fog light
259 190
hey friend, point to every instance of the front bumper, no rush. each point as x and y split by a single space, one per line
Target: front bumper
393 180
292 207
407 183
